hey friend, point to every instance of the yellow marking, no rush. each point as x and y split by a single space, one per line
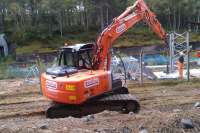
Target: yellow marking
70 87
72 98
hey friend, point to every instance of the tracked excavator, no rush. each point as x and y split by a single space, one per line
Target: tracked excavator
82 82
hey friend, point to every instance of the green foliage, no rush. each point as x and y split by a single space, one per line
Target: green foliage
3 71
138 36
4 66
50 23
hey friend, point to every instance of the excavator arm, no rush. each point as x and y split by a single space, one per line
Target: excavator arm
133 14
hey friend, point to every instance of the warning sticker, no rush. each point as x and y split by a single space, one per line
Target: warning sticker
91 82
121 28
51 84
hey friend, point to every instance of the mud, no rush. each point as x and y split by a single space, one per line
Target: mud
162 108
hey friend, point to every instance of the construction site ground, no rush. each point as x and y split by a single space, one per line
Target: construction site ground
163 106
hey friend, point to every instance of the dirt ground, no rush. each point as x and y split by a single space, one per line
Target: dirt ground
163 106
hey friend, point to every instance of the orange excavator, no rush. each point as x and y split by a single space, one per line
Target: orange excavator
82 83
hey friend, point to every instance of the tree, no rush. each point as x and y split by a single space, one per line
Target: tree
46 18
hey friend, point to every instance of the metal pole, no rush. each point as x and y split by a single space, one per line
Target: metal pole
170 49
188 57
141 67
39 71
171 52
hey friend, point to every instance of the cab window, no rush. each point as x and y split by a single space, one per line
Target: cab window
67 59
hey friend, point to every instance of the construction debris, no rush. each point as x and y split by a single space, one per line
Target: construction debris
44 126
187 123
106 130
197 105
142 130
88 118
126 130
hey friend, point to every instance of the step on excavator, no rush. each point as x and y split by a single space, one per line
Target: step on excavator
82 82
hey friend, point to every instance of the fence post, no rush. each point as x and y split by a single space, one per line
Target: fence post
171 45
188 57
141 67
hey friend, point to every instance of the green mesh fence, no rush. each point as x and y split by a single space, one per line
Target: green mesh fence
17 72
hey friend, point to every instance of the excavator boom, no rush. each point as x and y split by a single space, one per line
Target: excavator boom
133 14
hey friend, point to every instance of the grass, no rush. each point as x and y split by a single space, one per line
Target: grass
194 36
52 43
33 47
136 36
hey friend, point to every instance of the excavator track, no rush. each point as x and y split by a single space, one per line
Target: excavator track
124 103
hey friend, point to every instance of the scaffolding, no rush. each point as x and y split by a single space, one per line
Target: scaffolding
178 43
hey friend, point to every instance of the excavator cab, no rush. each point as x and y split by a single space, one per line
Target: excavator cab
72 59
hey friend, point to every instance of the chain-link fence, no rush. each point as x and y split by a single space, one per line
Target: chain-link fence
29 71
152 64
139 64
